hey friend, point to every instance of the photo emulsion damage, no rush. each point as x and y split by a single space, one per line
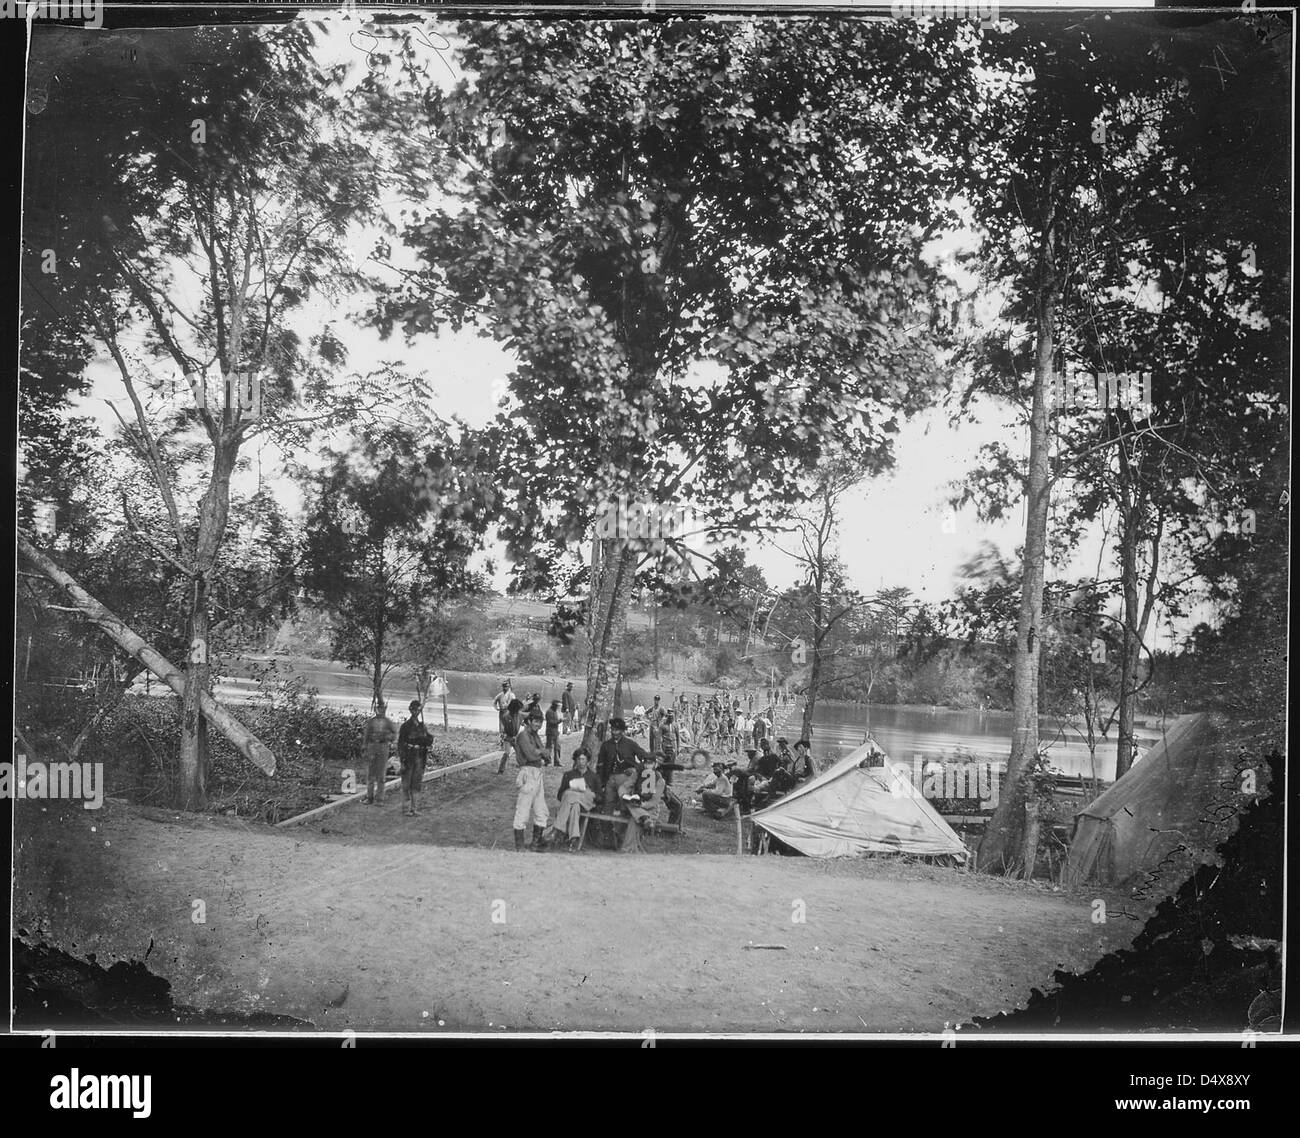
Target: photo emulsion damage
820 481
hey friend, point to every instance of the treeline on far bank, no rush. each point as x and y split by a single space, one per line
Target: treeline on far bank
921 666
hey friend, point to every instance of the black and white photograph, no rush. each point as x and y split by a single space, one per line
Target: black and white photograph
652 522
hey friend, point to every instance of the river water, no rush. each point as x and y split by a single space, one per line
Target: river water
904 732
938 733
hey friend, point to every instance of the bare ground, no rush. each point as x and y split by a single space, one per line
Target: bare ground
370 920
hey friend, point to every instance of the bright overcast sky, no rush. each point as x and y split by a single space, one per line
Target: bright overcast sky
895 530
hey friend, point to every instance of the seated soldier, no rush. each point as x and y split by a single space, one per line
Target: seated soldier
781 782
802 767
766 763
674 805
641 802
716 793
577 793
617 752
621 783
742 786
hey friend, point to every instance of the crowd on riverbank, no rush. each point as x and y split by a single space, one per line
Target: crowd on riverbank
632 783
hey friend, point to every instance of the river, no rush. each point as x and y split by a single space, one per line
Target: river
938 733
931 732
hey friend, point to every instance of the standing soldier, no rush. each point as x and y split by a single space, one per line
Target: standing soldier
656 717
669 738
569 705
413 741
532 793
376 740
502 700
553 731
510 728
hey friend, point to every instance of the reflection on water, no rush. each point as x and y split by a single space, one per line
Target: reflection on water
937 733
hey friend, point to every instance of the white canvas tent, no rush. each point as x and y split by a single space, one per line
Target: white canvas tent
855 808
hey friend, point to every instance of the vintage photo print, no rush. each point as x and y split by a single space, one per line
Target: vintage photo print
652 520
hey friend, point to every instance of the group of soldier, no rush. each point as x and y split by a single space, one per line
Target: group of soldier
413 743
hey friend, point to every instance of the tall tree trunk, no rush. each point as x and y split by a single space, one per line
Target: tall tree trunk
815 669
377 669
654 616
1137 616
608 628
192 788
1001 848
377 672
214 512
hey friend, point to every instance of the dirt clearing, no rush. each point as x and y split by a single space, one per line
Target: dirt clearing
356 929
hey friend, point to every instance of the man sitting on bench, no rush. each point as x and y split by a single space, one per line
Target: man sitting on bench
617 753
577 793
640 800
716 793
663 768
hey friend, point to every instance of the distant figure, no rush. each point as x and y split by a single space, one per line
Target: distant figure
669 739
553 731
376 740
503 698
656 717
569 706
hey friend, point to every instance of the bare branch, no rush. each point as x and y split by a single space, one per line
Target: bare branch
153 455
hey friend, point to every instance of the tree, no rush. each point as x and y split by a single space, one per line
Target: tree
381 550
1069 120
634 201
1153 286
821 601
211 226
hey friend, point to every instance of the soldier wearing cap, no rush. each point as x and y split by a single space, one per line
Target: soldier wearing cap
618 752
531 800
802 767
376 739
413 740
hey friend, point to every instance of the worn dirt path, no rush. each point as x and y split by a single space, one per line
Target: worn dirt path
377 932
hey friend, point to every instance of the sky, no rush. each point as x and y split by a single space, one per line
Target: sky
895 530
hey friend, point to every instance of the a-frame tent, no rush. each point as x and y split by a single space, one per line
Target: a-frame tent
1166 815
862 804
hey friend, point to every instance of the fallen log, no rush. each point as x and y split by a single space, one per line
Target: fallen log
248 745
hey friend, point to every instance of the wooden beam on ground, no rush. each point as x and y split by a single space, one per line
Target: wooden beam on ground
252 748
392 783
